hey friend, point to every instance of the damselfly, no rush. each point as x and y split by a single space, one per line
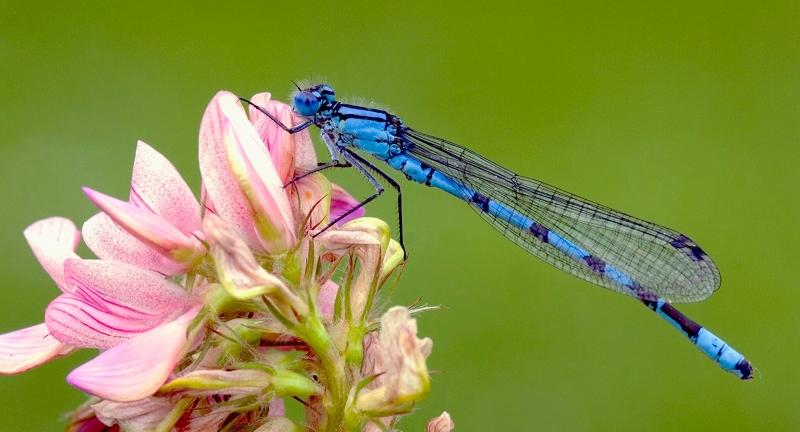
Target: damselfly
641 259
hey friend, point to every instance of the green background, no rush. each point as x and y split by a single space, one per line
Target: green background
684 113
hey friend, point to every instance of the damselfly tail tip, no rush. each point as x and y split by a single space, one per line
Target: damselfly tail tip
744 369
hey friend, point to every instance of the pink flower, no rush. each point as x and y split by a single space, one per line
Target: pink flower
204 314
122 303
369 240
104 304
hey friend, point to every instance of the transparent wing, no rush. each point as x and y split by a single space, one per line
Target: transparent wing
661 261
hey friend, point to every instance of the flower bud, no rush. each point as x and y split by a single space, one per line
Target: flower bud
401 355
238 271
443 423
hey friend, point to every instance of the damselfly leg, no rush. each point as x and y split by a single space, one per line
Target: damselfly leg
291 130
320 167
392 182
351 160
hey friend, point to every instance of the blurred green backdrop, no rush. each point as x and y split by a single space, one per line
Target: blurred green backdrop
685 113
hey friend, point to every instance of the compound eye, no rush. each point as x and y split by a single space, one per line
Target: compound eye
305 103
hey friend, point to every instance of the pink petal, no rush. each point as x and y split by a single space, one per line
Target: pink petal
137 368
158 185
305 158
341 202
312 193
90 424
53 240
208 206
327 298
286 149
219 183
237 268
27 348
148 227
280 143
138 416
251 166
111 303
277 408
201 421
110 242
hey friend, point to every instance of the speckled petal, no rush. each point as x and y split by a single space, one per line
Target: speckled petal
53 240
158 185
219 183
111 303
148 227
136 368
280 144
110 242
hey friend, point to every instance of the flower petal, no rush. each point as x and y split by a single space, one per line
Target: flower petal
402 357
27 348
279 424
148 227
221 186
394 256
342 202
137 416
327 298
137 368
110 242
277 408
53 240
203 421
111 303
312 193
254 172
90 424
369 239
158 185
300 147
280 143
238 271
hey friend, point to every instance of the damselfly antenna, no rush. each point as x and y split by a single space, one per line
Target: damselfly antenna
297 86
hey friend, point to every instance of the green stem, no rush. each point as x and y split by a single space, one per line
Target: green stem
337 386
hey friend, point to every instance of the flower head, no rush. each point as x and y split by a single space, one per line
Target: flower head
209 313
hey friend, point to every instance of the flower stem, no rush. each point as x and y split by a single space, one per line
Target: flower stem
333 367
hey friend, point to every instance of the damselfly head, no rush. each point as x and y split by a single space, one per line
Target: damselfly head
308 101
